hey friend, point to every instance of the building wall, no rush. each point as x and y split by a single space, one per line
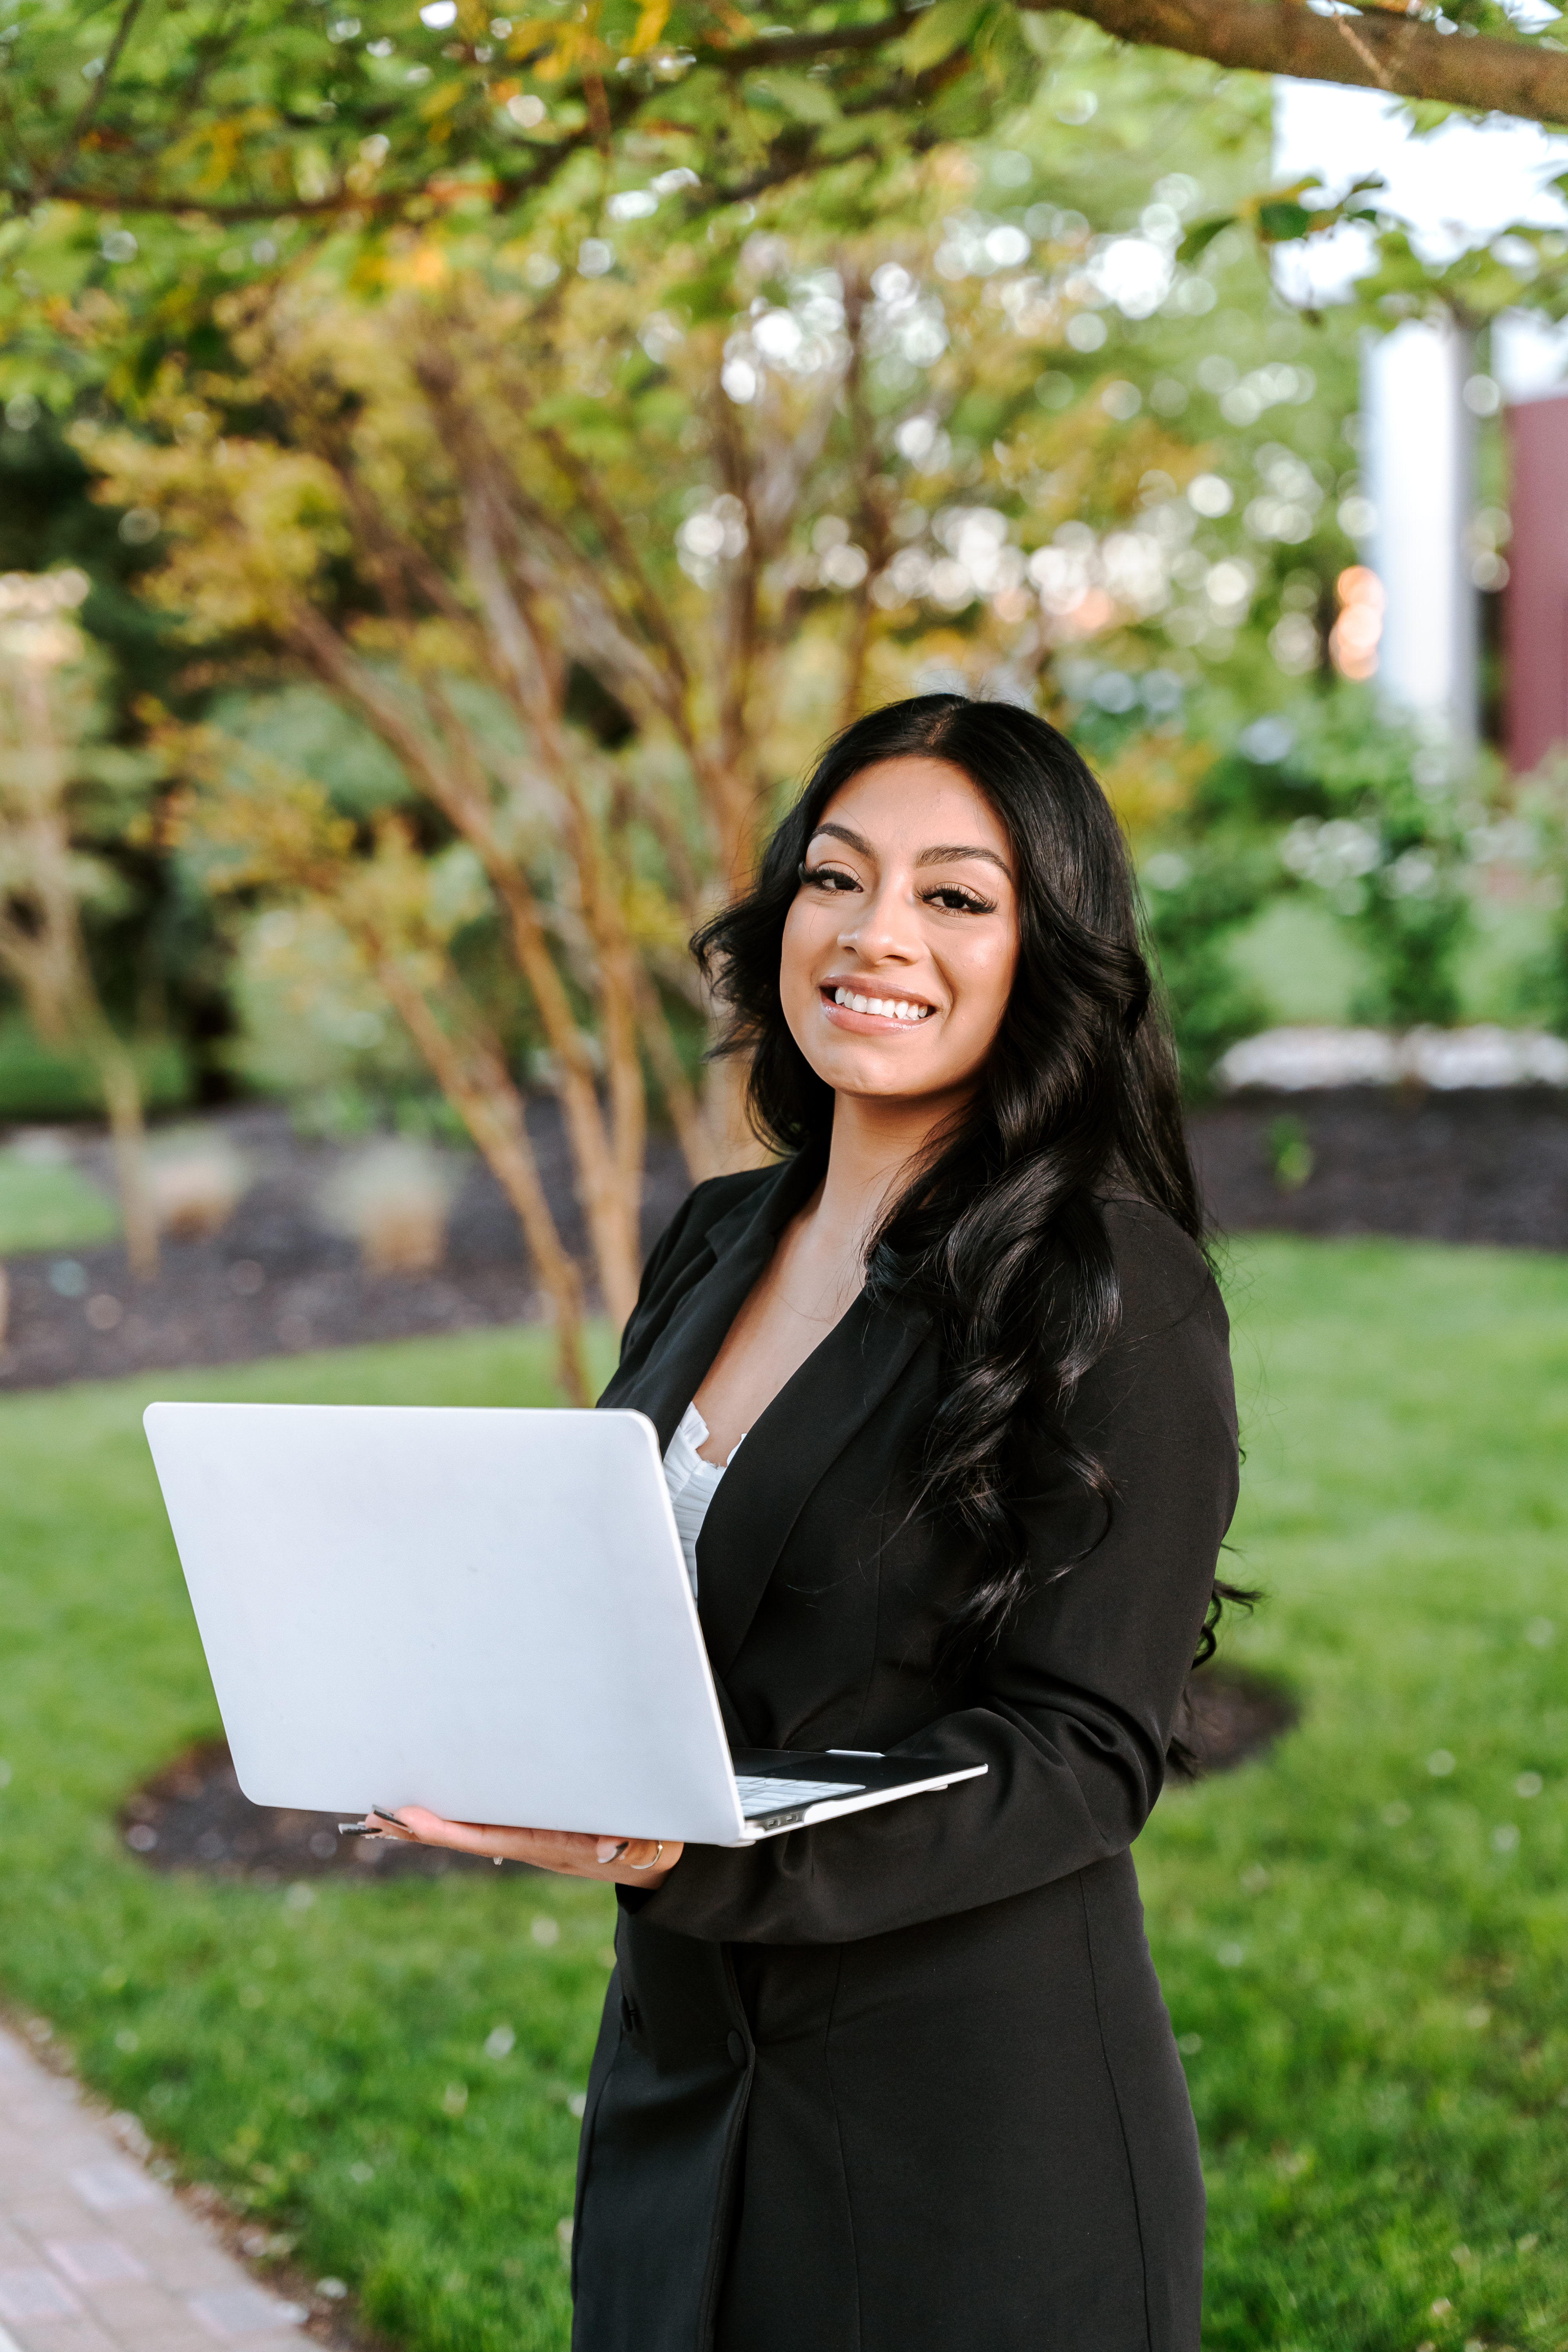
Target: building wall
1535 601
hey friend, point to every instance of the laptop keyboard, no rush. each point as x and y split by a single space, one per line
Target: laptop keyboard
760 1793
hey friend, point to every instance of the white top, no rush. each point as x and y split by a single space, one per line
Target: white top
693 1482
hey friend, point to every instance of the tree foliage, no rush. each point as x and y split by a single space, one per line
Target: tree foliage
56 775
190 107
612 403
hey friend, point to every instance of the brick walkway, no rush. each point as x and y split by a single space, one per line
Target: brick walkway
97 2256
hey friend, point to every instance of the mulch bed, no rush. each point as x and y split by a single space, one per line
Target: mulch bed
1231 1716
278 1280
1481 1167
1466 1166
193 1816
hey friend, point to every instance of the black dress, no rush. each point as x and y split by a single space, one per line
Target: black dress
904 2082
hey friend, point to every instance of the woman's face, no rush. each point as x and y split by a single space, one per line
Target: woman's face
899 950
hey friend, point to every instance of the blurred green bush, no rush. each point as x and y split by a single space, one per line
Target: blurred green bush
35 1084
45 1203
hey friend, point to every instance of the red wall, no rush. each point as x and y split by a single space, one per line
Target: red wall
1535 601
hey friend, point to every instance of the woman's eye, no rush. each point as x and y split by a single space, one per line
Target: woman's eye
960 902
828 878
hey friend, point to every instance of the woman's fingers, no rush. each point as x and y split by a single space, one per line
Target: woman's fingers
639 1855
548 1849
628 1862
390 1825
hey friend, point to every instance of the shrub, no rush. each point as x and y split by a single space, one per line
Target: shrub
1387 811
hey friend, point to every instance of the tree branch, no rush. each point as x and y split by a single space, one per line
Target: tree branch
470 1069
1373 50
680 1096
646 601
93 100
619 102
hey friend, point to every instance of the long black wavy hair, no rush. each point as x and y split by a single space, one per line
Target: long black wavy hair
998 1235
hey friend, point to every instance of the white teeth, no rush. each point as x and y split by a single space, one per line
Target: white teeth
890 1008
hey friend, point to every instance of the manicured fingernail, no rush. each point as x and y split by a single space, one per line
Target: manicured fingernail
609 1849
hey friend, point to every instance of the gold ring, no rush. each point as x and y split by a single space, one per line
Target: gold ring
652 1864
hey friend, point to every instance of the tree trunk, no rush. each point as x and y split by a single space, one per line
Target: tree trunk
452 773
122 1103
685 1113
492 1110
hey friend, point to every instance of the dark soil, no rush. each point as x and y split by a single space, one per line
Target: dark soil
1479 1167
192 1815
1231 1716
278 1280
1475 1167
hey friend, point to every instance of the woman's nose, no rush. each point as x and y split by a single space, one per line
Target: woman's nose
886 924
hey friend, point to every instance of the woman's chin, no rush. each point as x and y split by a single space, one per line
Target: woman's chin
868 1079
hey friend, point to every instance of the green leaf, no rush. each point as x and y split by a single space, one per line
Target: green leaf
938 32
1282 222
1201 235
806 99
1003 54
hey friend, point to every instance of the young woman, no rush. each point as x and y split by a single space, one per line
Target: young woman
950 1434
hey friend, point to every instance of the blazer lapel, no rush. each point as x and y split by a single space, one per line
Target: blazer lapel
675 1362
796 1441
792 1446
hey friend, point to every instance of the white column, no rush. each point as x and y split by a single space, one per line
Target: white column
1420 471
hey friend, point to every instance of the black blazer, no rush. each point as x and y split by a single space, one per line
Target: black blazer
801 2041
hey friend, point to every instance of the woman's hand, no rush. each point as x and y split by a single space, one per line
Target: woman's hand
625 1862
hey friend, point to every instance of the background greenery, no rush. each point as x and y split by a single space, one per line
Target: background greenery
1087 235
45 1203
1362 1939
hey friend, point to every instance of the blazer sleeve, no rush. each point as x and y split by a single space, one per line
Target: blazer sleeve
1075 1707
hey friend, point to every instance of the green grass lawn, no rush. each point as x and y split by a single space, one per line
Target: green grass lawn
46 1204
1362 1939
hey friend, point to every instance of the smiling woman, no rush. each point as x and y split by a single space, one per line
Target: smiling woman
946 1409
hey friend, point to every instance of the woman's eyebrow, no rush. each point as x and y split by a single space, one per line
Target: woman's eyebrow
941 855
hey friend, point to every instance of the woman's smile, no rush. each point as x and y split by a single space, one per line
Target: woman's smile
864 1008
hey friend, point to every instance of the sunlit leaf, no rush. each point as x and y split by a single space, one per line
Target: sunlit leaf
652 19
1280 222
1201 235
938 32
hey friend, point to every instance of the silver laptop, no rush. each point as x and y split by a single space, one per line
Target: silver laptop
483 1611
